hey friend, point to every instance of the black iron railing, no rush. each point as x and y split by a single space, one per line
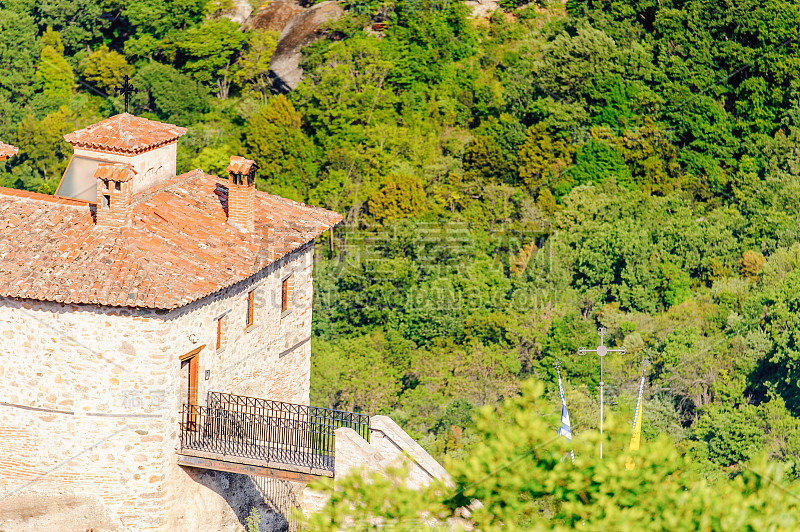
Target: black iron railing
273 431
325 418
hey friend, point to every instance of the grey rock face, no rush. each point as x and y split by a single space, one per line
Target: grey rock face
302 30
275 15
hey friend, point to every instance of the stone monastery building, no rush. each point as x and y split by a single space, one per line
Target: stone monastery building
129 295
155 348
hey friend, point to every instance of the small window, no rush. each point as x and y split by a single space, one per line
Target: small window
222 330
285 295
251 301
117 186
287 292
106 201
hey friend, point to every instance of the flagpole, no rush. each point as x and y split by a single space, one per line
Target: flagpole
601 405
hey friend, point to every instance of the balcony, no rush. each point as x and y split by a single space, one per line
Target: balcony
269 438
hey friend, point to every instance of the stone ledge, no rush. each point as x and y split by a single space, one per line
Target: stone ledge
406 445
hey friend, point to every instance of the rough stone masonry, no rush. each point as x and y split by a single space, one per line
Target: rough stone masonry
89 410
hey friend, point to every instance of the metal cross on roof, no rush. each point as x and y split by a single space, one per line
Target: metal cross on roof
601 351
126 89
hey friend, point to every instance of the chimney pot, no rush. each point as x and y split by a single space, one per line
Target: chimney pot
113 193
242 193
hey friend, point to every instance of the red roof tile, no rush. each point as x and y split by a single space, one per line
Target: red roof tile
115 172
177 249
39 197
7 150
125 133
240 165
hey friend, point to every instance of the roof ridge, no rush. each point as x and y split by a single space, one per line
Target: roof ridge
164 186
38 196
125 133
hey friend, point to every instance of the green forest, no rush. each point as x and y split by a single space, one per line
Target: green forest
508 184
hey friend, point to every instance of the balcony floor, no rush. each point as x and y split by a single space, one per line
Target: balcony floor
255 456
249 466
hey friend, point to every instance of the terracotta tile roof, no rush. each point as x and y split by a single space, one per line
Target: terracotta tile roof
125 133
115 172
240 165
39 197
7 150
177 249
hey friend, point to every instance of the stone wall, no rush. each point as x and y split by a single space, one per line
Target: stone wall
216 501
90 399
69 435
389 446
396 445
269 359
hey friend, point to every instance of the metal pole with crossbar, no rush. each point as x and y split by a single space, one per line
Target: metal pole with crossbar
601 351
126 89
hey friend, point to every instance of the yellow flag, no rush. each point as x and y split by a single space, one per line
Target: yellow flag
636 437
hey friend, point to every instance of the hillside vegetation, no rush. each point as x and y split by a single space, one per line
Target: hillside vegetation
508 184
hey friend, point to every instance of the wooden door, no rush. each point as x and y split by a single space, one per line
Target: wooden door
190 366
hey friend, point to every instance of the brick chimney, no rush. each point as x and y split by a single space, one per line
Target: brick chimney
114 193
242 193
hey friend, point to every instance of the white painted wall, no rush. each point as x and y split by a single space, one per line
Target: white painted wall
152 167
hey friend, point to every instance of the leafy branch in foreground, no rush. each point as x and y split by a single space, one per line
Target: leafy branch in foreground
515 479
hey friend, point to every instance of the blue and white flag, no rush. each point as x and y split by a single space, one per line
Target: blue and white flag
565 429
